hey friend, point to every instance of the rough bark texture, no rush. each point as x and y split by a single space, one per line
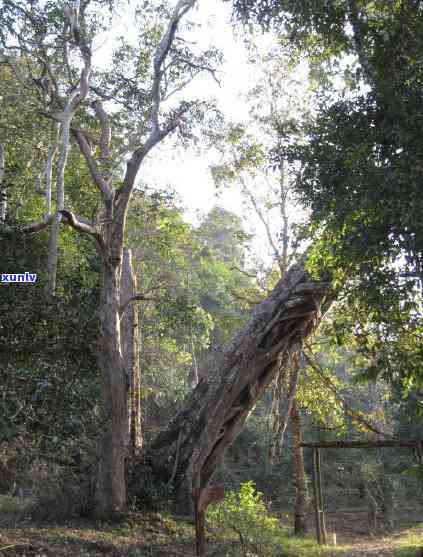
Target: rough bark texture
300 524
3 193
111 484
214 414
131 353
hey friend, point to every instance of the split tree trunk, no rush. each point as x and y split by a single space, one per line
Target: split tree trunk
188 451
300 524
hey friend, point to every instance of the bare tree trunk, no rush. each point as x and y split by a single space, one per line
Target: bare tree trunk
53 251
3 194
111 484
131 353
300 524
48 171
214 414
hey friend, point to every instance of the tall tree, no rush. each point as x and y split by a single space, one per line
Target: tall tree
56 41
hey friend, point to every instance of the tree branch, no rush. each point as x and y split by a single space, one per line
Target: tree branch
182 7
260 215
96 175
35 227
81 225
105 130
136 298
157 133
347 408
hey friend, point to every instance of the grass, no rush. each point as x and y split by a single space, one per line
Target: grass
307 547
410 543
158 535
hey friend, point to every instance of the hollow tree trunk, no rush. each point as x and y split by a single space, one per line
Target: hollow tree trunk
111 485
300 524
188 451
131 354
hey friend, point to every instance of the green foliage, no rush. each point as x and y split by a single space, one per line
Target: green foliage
245 513
49 379
191 276
360 168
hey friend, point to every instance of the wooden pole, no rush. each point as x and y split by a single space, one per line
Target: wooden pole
364 444
320 497
316 497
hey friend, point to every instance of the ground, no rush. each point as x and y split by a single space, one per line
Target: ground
160 535
353 529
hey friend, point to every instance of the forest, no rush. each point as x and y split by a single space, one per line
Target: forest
211 294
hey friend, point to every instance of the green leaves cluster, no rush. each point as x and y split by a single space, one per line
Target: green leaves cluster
245 513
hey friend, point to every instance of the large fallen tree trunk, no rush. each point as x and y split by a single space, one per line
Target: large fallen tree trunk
186 453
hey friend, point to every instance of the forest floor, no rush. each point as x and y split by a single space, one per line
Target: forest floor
355 534
160 535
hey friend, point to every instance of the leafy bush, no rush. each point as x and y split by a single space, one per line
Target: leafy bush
245 513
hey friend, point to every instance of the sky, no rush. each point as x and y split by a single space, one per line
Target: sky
185 171
189 174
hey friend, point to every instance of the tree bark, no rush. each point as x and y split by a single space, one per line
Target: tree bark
300 524
3 193
111 484
131 353
215 413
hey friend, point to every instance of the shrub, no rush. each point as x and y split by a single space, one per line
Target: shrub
245 514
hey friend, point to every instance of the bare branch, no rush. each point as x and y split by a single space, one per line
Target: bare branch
177 89
135 161
82 225
277 254
202 68
84 146
105 130
157 133
182 7
136 298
